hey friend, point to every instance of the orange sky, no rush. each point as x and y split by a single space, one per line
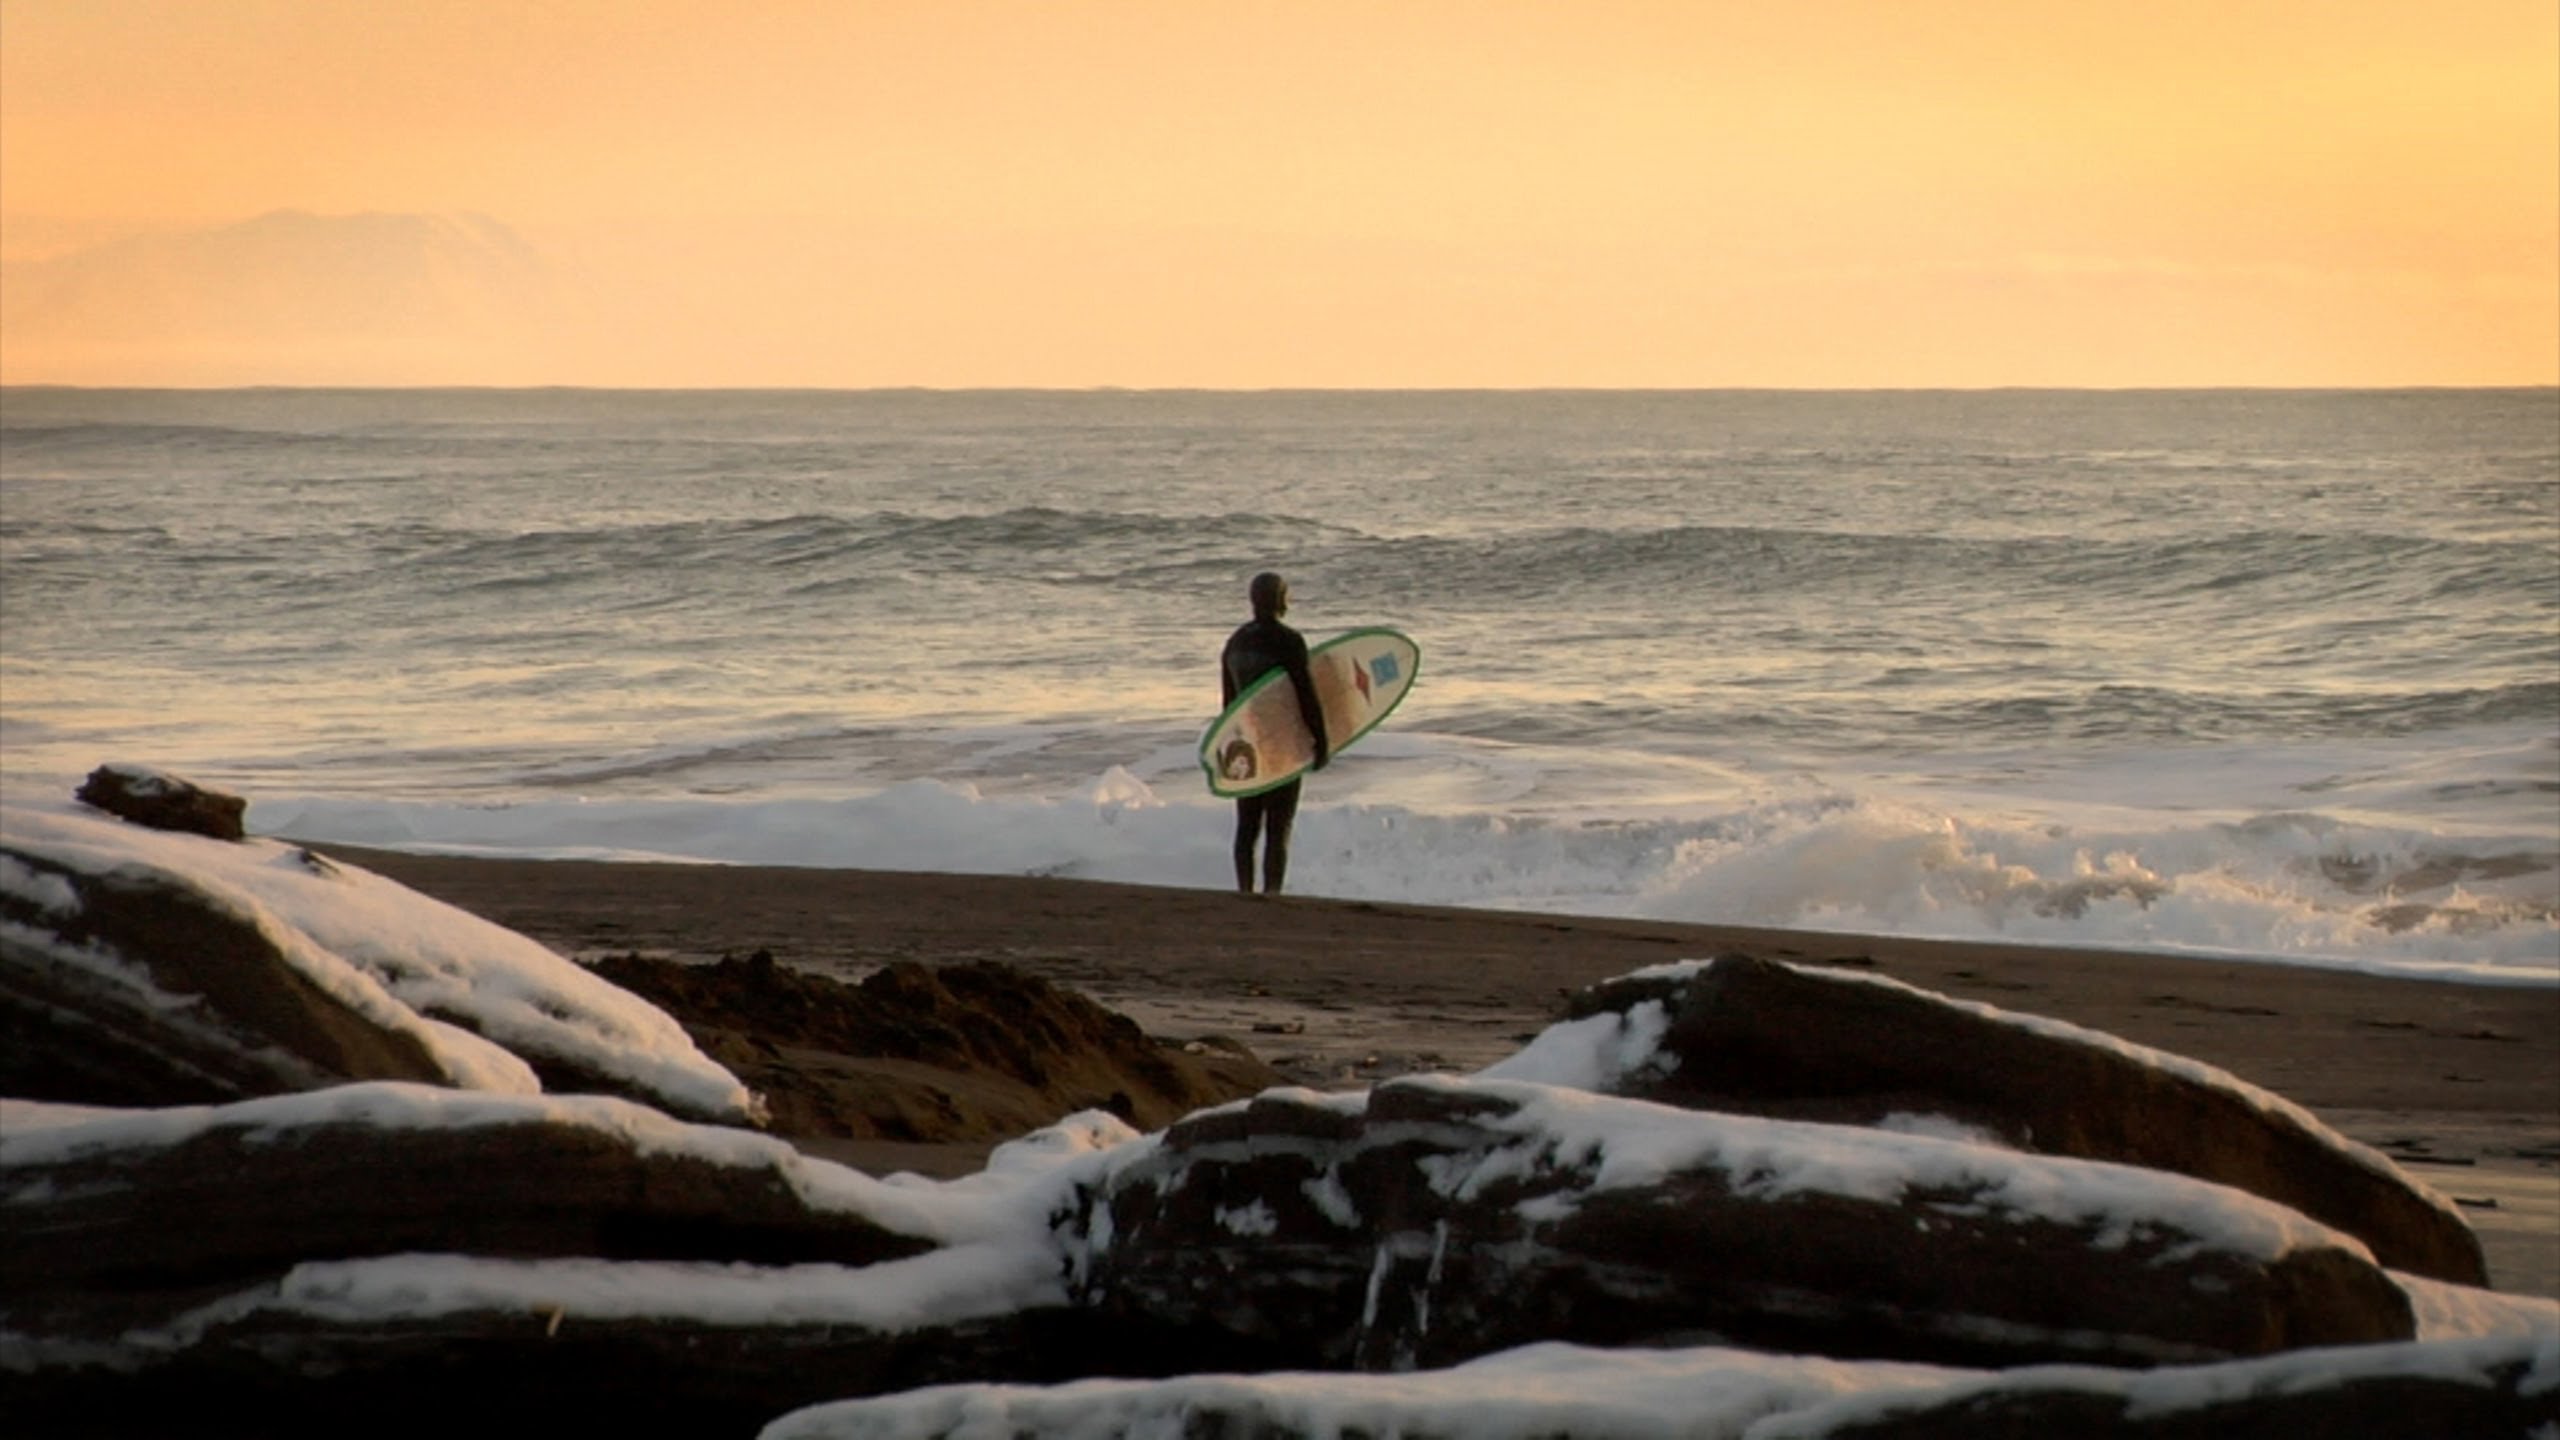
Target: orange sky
1217 193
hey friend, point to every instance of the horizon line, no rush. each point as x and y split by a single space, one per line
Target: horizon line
1992 389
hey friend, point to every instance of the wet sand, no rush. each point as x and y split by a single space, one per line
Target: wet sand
2459 1083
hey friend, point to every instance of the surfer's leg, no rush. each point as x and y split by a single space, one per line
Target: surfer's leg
1283 818
1248 827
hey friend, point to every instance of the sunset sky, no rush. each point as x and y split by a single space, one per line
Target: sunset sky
1203 193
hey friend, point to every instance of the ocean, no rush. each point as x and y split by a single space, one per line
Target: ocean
2267 674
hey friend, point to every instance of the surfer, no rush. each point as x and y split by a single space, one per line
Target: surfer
1260 646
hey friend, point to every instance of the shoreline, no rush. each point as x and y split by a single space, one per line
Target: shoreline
2458 1082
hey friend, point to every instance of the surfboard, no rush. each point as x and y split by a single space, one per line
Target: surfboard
1260 742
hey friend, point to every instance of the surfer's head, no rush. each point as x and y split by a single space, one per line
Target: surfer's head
1270 596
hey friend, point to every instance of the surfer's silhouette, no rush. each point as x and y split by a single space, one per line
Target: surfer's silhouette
1260 646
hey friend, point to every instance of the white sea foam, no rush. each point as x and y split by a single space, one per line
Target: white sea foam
2295 885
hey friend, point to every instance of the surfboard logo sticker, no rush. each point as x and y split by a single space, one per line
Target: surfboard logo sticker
1237 761
1360 681
1385 669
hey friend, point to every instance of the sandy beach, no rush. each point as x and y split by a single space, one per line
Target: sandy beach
2460 1083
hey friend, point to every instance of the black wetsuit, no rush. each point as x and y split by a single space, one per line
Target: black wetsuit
1258 647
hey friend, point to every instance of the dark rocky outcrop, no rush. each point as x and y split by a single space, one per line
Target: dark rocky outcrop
981 1051
384 1172
1438 1223
265 1375
163 801
136 988
274 1268
1752 1036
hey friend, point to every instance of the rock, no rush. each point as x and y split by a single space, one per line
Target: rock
246 1368
404 1260
1751 1036
123 938
2375 1392
190 1198
967 1052
164 802
2389 1392
132 987
1443 1220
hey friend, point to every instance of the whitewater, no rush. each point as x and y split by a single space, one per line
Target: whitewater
2272 675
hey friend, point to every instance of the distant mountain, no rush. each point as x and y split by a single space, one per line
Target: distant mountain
288 297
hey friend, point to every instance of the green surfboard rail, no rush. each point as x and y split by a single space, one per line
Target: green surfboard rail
1245 697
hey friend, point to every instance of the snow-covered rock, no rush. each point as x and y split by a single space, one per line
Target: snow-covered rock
725 1280
1740 1034
1435 1220
448 1248
130 987
773 1280
139 966
173 1198
2504 1387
